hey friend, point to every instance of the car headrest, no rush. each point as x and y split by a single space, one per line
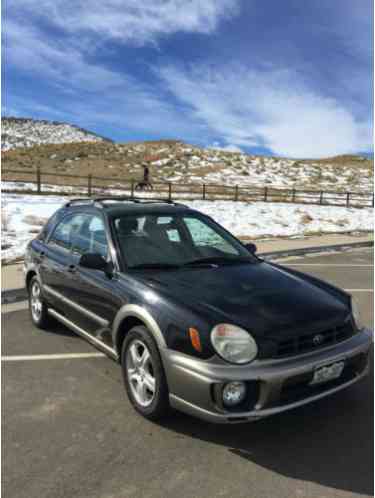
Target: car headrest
127 225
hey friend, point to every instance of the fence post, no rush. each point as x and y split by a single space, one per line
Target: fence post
204 192
170 191
347 199
132 188
294 195
236 193
265 193
321 197
38 180
89 185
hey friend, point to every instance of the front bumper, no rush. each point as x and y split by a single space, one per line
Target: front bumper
195 385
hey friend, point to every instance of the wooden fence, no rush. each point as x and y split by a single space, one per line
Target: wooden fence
41 182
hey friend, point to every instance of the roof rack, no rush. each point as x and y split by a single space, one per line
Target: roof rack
137 200
83 200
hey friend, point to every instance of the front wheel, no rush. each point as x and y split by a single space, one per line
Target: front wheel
37 306
144 375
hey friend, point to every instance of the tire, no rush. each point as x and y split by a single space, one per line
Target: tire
143 373
37 306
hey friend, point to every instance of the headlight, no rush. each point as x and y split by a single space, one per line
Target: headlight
233 343
356 314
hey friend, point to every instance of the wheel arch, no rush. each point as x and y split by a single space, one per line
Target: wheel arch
30 274
128 317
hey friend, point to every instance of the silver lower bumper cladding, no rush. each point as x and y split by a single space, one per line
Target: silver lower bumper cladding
191 381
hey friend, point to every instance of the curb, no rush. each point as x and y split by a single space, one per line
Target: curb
311 250
15 295
11 296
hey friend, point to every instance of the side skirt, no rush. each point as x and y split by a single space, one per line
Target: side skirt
92 340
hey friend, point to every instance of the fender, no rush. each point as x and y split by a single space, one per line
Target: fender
31 268
142 314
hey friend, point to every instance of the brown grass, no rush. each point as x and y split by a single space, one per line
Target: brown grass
306 218
124 162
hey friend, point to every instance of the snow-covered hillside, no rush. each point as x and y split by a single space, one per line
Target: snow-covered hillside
20 132
22 218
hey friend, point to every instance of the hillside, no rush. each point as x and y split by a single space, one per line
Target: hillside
178 162
24 132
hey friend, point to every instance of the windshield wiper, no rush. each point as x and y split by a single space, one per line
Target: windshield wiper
218 260
155 266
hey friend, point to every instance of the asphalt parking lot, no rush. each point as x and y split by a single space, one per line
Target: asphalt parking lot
69 430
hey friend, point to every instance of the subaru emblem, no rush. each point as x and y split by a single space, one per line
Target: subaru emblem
318 339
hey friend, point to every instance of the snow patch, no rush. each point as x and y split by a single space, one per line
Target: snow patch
23 215
19 132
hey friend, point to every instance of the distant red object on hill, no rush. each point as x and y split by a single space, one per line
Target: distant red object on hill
151 158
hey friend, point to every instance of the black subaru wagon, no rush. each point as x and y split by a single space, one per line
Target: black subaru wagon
197 321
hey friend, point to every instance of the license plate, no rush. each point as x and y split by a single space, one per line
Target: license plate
328 372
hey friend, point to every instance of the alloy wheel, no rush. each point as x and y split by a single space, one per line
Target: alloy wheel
140 372
36 301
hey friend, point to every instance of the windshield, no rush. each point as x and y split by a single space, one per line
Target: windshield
160 241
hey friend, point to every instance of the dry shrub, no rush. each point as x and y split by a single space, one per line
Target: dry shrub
342 222
4 219
306 218
31 219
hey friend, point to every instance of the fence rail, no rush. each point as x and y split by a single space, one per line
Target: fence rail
43 182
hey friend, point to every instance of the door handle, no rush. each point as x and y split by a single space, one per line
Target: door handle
72 268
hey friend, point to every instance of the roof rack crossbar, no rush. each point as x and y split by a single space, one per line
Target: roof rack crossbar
136 200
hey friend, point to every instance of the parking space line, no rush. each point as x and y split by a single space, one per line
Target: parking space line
331 265
359 290
67 356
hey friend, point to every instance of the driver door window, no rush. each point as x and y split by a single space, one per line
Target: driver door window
91 237
66 230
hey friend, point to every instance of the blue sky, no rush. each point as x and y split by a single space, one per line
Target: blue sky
288 78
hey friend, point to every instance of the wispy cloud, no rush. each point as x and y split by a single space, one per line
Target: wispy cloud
227 148
130 21
57 61
88 93
89 62
270 108
59 45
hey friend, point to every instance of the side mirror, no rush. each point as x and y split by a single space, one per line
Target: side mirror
251 247
95 261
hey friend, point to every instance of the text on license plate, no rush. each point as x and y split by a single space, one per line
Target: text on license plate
328 372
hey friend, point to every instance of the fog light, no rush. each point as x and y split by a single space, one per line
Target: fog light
234 393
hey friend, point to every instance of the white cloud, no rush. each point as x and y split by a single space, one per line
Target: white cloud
227 148
130 21
89 94
270 108
30 50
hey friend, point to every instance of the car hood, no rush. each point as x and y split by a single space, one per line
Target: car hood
259 297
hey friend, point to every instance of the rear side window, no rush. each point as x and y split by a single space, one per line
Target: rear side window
66 230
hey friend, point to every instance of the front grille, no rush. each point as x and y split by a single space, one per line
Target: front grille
306 343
